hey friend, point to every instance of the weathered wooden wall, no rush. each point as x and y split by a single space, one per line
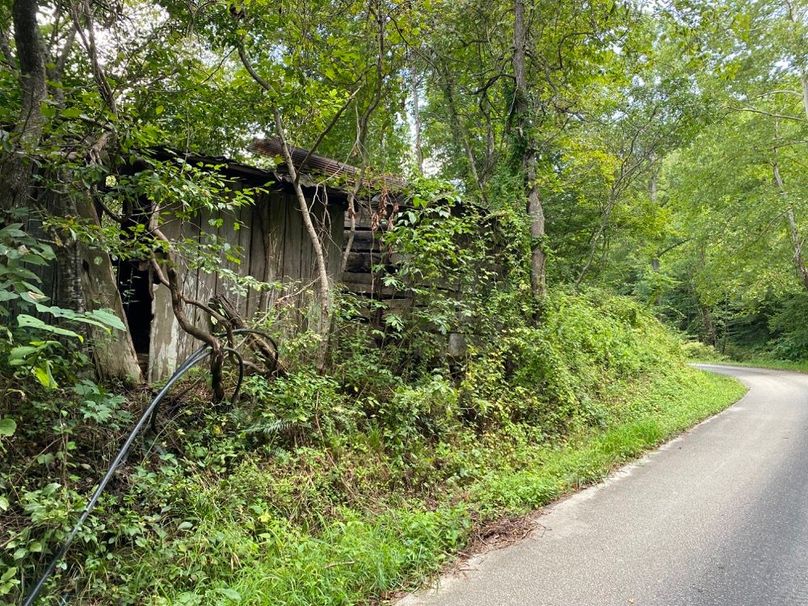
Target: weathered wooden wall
275 247
368 253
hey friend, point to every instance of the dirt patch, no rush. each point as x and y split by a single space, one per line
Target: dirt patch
499 534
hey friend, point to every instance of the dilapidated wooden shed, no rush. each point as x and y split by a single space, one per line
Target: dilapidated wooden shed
268 237
269 244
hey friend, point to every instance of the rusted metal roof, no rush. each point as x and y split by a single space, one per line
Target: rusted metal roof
311 166
313 162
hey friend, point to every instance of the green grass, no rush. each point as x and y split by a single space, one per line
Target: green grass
668 406
255 557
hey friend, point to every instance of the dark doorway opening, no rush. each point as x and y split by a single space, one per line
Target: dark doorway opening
134 283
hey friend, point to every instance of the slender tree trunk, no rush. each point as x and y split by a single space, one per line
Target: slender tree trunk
599 233
796 242
791 219
709 325
527 143
346 253
324 282
362 127
655 260
459 132
652 194
793 229
416 115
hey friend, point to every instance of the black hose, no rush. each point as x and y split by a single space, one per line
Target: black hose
150 413
199 355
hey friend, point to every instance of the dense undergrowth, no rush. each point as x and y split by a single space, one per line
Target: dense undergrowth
343 488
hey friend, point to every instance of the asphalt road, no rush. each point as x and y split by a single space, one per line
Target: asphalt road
718 516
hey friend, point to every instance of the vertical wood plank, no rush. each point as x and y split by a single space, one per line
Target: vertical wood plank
276 243
229 235
337 241
207 280
256 259
245 217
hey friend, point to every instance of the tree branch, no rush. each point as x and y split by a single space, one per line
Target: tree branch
770 114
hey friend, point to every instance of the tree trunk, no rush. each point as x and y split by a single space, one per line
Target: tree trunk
16 166
416 116
85 276
527 143
793 229
796 242
459 131
86 282
597 235
710 333
114 354
68 293
535 212
655 260
324 282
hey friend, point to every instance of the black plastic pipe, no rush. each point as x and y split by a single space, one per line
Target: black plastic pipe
199 355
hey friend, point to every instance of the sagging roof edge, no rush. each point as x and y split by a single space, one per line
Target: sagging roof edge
338 178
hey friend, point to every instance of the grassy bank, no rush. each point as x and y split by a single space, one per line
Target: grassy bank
343 488
351 554
705 354
357 555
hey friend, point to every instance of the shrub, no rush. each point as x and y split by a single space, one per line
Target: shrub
303 406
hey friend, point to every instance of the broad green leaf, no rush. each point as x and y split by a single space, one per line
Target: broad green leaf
26 321
230 594
13 231
9 574
108 318
7 427
43 374
71 112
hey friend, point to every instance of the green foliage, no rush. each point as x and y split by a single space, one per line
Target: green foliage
788 323
31 346
696 350
18 252
99 406
427 411
39 414
303 406
332 488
